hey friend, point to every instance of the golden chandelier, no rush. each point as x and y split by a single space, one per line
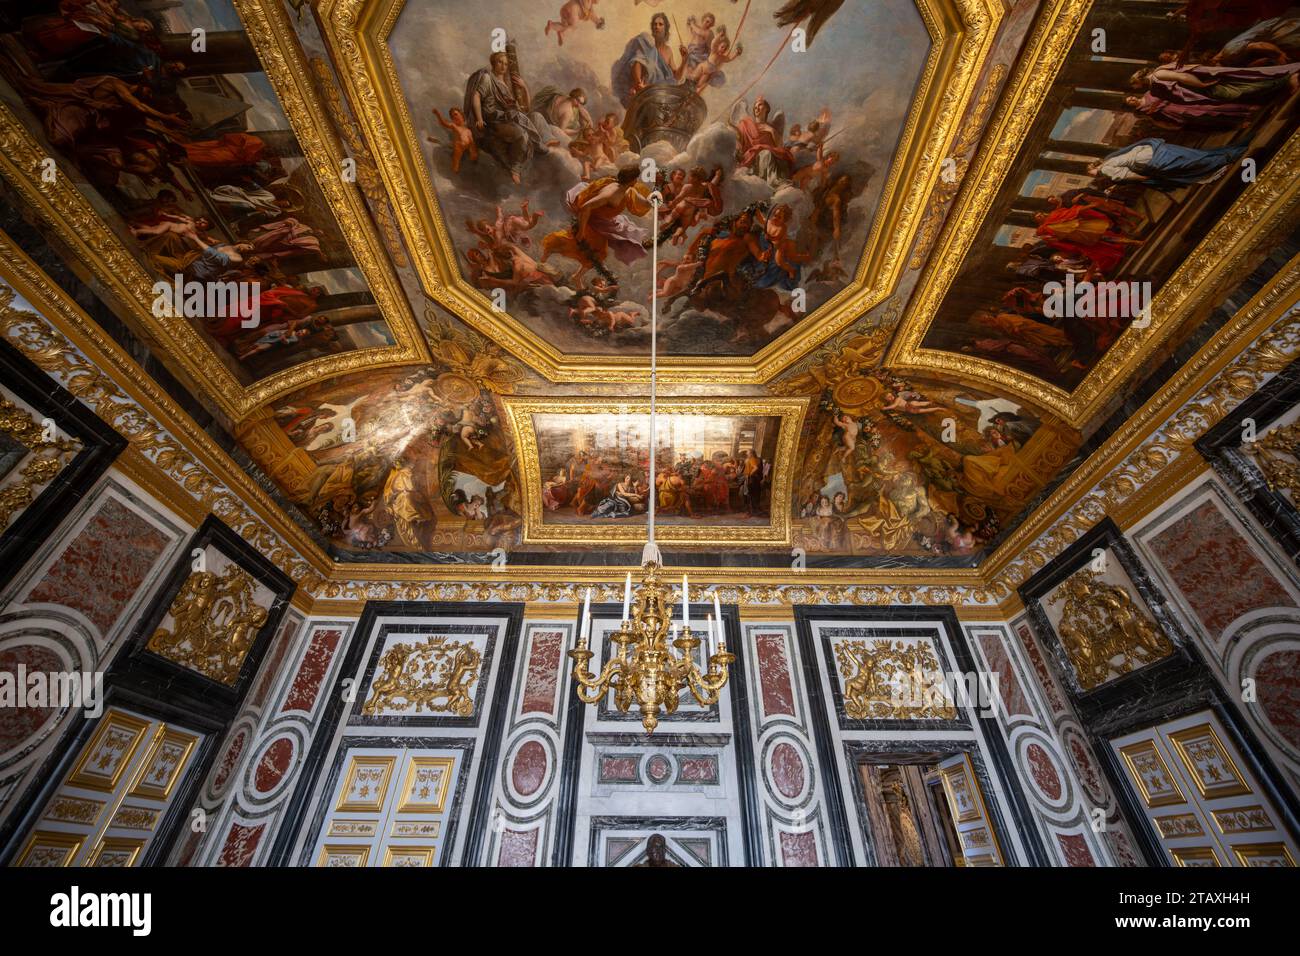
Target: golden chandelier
642 669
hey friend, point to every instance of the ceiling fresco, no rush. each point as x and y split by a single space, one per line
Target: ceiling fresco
200 183
858 242
771 174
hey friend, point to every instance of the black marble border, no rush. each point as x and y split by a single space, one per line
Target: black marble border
1104 705
987 726
174 823
716 824
298 805
166 679
566 801
100 446
358 719
1221 446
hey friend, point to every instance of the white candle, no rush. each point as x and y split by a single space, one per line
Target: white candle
717 614
627 597
708 636
585 631
686 603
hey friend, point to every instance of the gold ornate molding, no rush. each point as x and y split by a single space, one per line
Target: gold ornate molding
215 620
1155 445
73 218
46 456
962 34
790 411
1267 205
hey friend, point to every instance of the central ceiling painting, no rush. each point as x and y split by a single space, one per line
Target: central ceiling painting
544 129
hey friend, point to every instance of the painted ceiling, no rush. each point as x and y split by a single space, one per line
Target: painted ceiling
881 225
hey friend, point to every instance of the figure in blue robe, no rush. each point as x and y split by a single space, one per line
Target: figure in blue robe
643 50
1160 165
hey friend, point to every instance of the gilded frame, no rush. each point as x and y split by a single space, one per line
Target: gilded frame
1266 205
520 411
961 35
73 218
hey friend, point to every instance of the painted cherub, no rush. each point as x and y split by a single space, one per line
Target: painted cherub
909 402
709 71
571 14
701 196
512 227
818 170
461 139
590 315
781 248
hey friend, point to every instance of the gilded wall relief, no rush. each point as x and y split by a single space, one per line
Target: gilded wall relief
1138 153
435 675
1105 631
229 231
892 679
891 464
212 622
794 176
722 469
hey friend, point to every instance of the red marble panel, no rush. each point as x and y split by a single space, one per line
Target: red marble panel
1277 686
18 724
1216 568
1122 849
618 769
100 571
1044 772
697 770
315 665
273 764
529 769
1075 849
543 672
241 843
799 849
1040 668
270 668
996 655
228 760
1084 767
787 770
518 848
774 674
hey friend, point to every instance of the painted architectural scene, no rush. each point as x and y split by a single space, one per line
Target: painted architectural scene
180 142
1138 152
710 470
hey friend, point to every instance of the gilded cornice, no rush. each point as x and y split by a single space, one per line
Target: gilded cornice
1143 461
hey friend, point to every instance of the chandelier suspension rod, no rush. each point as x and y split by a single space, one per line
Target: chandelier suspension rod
655 199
